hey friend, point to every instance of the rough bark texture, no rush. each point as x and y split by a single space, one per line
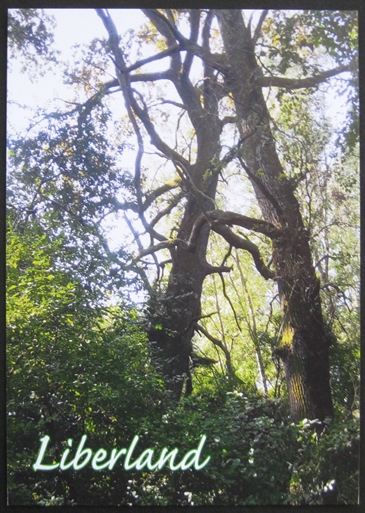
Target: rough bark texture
178 310
304 343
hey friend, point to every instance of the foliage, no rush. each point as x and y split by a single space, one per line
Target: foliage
300 40
326 470
73 368
30 35
69 361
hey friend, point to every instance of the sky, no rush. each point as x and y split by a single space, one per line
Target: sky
74 26
78 26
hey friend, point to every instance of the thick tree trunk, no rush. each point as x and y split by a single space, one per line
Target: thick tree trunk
304 343
178 309
304 340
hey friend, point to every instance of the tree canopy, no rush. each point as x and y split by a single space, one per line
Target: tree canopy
183 253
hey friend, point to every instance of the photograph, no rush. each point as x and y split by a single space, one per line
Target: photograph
182 256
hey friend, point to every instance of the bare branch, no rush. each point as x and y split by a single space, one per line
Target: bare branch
201 361
262 188
259 26
230 302
339 291
151 77
165 53
212 269
220 217
171 102
150 198
210 337
140 245
301 83
250 223
162 213
247 245
326 257
229 119
194 33
198 194
167 244
131 103
134 232
126 205
217 61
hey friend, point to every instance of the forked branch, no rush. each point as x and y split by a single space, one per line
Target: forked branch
220 217
240 243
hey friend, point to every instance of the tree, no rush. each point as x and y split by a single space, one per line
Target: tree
220 64
205 202
235 74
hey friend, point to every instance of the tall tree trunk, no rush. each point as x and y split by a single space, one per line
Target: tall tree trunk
178 309
304 344
173 314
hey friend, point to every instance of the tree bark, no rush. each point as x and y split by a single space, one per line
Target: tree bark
304 342
174 313
178 310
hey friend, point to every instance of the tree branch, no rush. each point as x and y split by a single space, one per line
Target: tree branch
156 57
212 269
262 188
194 33
131 103
229 119
134 232
230 302
250 223
247 245
151 77
127 205
162 213
210 337
150 198
259 26
217 61
171 102
220 217
300 83
167 244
